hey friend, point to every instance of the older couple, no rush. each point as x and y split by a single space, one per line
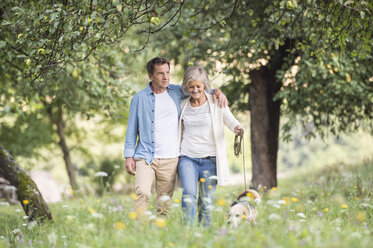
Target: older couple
165 122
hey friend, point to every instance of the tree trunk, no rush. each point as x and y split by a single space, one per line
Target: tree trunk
57 119
28 193
265 118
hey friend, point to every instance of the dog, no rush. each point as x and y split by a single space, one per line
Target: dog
243 208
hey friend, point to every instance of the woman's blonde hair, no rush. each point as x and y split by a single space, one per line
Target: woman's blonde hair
195 73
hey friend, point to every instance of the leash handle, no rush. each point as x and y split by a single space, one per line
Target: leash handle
239 142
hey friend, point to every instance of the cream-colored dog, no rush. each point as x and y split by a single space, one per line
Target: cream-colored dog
244 208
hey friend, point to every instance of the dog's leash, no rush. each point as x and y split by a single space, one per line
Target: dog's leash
238 142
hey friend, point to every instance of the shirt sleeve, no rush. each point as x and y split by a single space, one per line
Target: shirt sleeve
132 129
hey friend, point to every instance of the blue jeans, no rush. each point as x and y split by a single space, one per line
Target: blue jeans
191 171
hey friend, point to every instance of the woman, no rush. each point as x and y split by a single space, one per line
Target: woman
202 147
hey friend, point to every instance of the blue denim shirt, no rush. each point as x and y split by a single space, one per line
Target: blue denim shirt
141 122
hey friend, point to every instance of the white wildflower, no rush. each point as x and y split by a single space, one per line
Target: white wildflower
281 202
164 198
258 201
302 215
175 205
274 217
213 178
52 238
15 231
17 210
101 174
32 224
152 217
148 213
25 217
97 215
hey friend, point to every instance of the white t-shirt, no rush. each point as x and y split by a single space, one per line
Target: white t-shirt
165 127
198 138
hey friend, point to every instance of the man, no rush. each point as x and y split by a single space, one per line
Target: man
153 123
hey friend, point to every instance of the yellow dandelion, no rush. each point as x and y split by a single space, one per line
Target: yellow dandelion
210 187
265 187
274 188
248 194
160 222
287 200
243 216
355 187
72 191
19 35
151 206
81 28
357 198
132 215
328 66
336 69
222 202
326 210
329 194
360 216
120 225
176 201
69 218
202 180
91 210
331 71
170 244
25 202
344 206
134 196
294 199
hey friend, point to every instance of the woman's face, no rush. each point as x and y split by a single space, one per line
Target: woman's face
196 89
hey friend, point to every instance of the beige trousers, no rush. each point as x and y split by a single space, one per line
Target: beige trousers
164 171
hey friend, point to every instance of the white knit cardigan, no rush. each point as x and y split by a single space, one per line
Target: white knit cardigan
219 117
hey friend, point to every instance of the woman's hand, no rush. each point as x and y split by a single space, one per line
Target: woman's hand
238 129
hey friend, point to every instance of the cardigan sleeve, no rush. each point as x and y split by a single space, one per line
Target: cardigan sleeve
229 120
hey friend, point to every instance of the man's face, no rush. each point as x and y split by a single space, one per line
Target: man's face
160 77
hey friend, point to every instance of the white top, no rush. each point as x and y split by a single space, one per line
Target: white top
219 117
165 127
198 139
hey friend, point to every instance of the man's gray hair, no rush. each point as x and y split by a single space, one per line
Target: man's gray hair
195 73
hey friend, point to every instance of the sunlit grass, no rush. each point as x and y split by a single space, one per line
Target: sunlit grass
328 208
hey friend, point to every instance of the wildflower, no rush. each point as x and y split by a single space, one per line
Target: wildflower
81 28
274 217
326 210
25 202
91 210
176 201
281 202
69 218
360 216
98 215
15 231
101 174
52 238
119 208
221 232
132 215
25 217
170 244
243 216
302 215
222 202
319 214
202 180
344 206
274 188
213 178
32 224
152 217
210 187
287 200
160 222
120 226
134 196
294 199
164 198
355 187
248 194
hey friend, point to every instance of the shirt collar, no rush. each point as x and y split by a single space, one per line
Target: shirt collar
149 89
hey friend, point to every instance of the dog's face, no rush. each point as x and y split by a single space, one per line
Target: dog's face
241 211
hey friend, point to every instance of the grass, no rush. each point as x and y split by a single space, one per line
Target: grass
332 207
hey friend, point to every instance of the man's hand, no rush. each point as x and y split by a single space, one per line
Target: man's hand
131 166
223 101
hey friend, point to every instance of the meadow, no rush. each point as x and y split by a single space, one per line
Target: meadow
327 207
